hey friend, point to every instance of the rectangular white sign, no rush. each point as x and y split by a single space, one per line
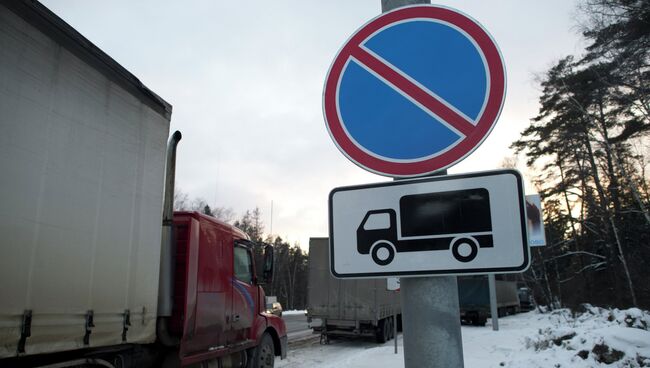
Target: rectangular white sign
392 283
535 217
454 224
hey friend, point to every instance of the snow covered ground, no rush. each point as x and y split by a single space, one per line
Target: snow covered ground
294 312
528 340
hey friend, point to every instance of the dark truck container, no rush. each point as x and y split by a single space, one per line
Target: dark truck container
459 220
96 271
474 298
348 307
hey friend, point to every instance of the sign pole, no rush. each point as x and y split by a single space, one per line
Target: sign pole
431 321
395 329
494 310
385 57
388 5
430 309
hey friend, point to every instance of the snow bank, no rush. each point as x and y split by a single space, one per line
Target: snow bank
596 338
294 312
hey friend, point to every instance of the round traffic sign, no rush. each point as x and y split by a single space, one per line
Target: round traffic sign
414 91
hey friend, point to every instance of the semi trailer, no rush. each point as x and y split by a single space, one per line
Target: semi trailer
357 307
97 269
348 307
474 298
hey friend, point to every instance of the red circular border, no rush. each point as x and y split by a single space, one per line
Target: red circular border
488 118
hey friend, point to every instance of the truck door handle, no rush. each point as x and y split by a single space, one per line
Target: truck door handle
235 317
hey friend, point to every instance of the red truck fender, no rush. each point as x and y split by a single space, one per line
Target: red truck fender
277 329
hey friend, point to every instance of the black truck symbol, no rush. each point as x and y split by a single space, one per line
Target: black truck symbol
458 219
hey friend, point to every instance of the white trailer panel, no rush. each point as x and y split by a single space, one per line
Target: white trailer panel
82 162
345 302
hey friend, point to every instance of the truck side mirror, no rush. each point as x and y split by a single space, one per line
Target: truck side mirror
267 272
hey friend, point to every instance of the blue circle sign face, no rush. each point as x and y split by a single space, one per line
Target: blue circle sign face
414 91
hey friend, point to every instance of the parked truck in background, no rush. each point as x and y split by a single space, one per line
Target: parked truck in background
474 298
96 271
357 307
526 300
348 307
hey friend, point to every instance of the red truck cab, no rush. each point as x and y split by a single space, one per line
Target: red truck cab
219 303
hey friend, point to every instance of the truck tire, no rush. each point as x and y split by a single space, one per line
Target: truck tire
382 332
455 247
264 355
391 328
379 258
481 320
387 330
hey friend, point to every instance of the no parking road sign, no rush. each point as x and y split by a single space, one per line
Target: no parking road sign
414 91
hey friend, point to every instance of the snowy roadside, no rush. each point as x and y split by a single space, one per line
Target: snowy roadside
294 312
527 340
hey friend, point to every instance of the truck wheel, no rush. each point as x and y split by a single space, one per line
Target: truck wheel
381 334
482 321
264 356
387 330
383 252
391 328
464 243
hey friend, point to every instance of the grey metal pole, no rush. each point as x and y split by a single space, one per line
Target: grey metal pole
388 5
395 329
430 309
494 311
431 322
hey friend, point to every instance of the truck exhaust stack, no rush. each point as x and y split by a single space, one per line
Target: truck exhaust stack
166 281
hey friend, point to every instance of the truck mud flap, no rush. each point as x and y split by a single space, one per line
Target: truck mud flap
284 341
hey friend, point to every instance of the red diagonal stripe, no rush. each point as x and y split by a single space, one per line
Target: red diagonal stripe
414 91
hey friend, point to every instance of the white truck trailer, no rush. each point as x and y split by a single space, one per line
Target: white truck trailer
348 307
93 272
82 156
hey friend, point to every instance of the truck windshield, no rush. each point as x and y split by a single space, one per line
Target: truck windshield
377 221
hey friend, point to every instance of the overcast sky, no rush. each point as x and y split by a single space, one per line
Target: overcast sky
245 80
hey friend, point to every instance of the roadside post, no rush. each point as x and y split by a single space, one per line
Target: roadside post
393 283
494 310
395 329
411 93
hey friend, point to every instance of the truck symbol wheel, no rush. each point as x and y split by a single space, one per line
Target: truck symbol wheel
461 244
383 252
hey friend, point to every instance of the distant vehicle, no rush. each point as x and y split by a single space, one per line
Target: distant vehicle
348 307
95 270
458 219
474 298
526 300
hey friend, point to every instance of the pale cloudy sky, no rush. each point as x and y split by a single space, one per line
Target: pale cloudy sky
245 80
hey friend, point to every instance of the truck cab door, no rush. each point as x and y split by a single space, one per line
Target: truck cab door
244 294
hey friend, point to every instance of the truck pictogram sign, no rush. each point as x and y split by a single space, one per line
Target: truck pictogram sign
461 224
459 220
